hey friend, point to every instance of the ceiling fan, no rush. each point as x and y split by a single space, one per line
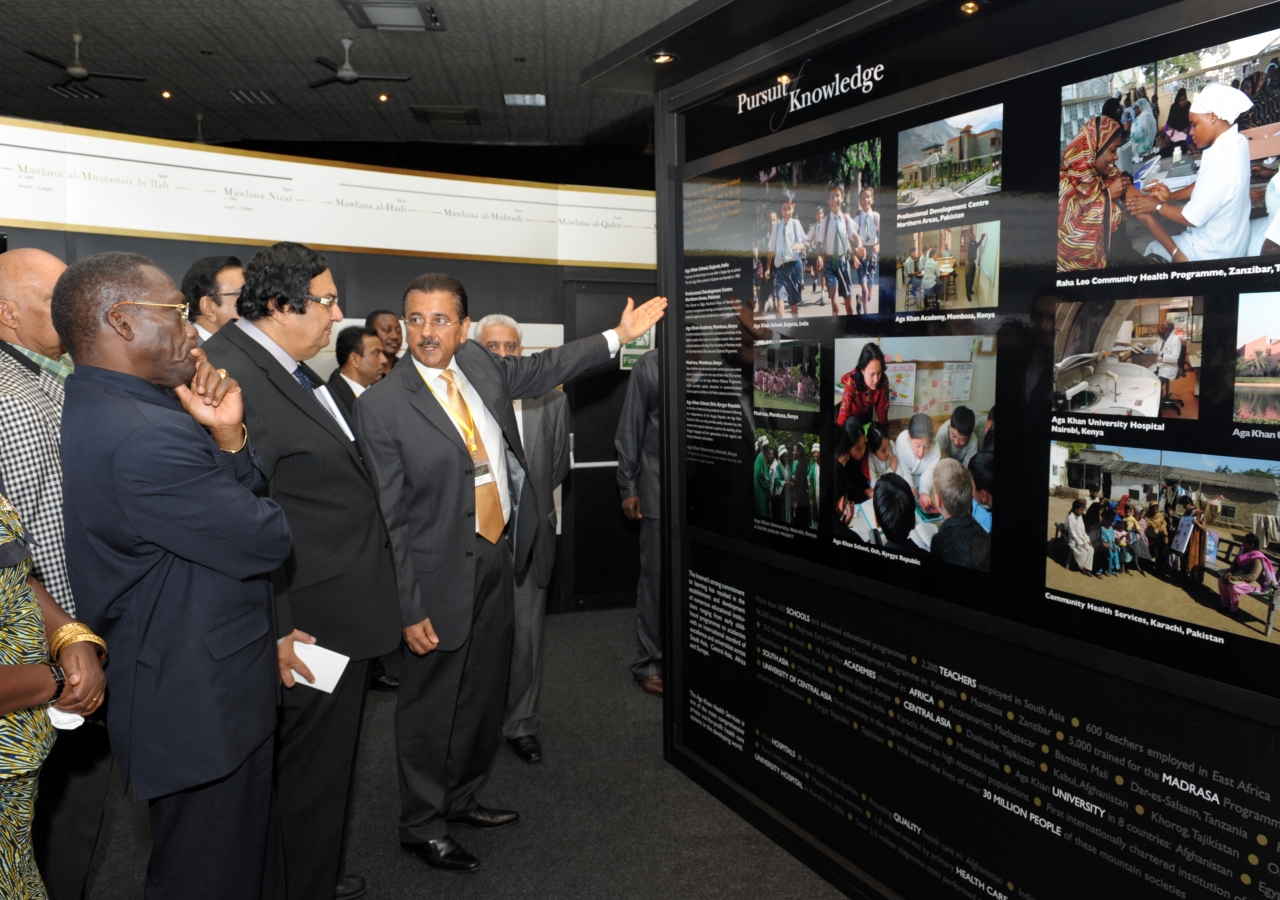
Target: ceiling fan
344 73
76 71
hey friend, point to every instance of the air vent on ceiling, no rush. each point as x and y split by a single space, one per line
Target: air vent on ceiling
435 115
394 15
525 99
76 91
255 98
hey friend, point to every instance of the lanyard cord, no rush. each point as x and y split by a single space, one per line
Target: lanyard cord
467 427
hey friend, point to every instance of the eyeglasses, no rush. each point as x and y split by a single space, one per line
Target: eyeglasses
437 323
327 302
179 308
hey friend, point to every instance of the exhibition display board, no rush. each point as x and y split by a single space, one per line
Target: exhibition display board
878 265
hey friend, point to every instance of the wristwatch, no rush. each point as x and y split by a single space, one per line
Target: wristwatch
1158 205
59 679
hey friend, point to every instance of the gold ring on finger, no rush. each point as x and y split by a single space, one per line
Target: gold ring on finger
222 373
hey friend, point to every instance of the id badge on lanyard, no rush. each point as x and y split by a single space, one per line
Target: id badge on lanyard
483 471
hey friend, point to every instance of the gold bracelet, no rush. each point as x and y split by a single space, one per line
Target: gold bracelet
71 633
243 443
86 639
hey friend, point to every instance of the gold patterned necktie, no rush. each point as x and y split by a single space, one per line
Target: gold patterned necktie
488 500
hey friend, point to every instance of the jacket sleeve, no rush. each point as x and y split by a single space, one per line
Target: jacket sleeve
382 454
180 493
629 441
533 376
558 414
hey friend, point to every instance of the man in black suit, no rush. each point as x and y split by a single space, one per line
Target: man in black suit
169 545
360 358
462 513
337 588
211 287
544 432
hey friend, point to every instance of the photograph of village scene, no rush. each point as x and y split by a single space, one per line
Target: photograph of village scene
951 159
1186 536
1257 388
785 477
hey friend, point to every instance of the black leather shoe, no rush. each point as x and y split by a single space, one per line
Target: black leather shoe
527 747
384 683
351 887
443 853
480 817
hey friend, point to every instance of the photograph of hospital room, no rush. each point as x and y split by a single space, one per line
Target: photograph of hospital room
1257 387
951 159
786 375
785 477
949 268
1172 160
1129 357
1187 536
914 452
815 230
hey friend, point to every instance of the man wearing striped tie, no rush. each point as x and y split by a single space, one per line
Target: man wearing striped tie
441 438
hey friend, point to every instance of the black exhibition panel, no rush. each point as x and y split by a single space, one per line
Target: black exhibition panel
922 702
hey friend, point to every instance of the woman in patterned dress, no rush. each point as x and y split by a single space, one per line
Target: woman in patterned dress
28 683
1089 187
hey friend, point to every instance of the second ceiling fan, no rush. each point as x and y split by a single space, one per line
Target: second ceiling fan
344 74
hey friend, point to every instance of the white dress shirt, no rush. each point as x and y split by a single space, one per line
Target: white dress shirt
291 365
356 387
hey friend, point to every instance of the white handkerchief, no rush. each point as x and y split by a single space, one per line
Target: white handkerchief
325 665
64 720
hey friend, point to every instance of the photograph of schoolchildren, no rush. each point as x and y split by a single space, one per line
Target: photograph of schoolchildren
1186 536
1257 387
1129 357
1172 160
816 245
914 454
786 375
785 478
949 268
956 158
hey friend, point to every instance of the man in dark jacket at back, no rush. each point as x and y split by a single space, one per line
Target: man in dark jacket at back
169 545
639 446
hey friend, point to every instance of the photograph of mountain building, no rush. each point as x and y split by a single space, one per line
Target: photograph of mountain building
1186 536
1257 388
953 158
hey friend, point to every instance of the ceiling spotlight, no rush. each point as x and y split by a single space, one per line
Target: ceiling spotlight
382 97
784 79
165 94
969 8
661 59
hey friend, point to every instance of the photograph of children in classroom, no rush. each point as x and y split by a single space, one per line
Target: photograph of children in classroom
915 446
949 268
1173 160
1129 357
1186 536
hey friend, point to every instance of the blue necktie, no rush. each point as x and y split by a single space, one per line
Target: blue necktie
307 386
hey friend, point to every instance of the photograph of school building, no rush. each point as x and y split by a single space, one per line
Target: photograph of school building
952 158
1166 533
1257 384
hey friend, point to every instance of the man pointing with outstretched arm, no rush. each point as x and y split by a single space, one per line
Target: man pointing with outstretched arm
441 438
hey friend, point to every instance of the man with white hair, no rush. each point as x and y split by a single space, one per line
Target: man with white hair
544 431
1216 211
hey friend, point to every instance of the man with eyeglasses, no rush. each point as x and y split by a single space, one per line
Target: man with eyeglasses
337 589
170 543
211 287
440 434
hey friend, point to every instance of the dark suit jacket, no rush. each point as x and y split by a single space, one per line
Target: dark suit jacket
546 447
639 438
169 546
425 480
338 584
342 392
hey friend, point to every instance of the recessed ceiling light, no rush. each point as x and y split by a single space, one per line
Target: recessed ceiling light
969 8
525 99
661 59
382 97
394 15
165 94
784 79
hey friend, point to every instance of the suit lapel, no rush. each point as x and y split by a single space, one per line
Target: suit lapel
493 392
421 399
531 412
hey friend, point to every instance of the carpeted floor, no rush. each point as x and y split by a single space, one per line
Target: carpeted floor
601 817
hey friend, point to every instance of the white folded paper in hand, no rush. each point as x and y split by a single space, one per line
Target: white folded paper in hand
325 665
64 720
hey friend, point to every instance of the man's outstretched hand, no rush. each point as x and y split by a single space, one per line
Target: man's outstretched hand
637 320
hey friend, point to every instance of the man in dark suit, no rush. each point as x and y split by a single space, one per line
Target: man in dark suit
337 588
169 545
360 359
211 287
544 430
639 446
387 325
462 513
